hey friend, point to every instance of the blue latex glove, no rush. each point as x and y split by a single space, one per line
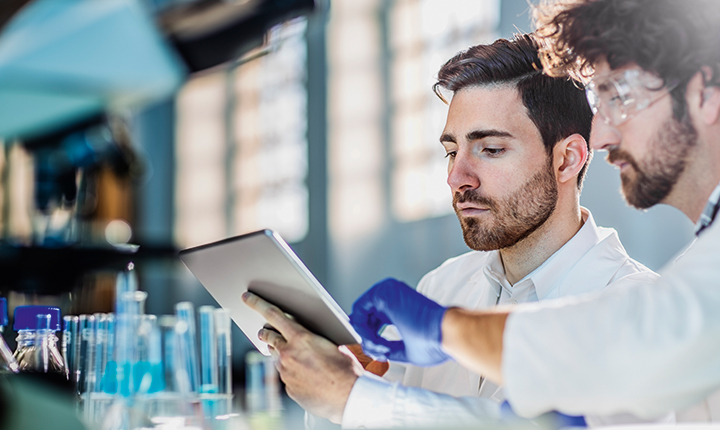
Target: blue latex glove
417 318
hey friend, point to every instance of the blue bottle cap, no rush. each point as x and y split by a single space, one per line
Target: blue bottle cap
3 312
26 317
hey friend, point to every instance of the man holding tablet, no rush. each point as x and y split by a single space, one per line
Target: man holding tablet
516 143
654 80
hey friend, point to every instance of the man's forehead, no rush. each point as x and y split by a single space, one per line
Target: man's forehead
488 95
602 69
487 107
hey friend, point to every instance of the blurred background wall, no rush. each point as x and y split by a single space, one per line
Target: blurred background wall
331 138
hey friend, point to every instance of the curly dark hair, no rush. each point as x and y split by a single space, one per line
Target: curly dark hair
673 39
556 105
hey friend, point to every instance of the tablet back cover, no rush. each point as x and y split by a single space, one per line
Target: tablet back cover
264 264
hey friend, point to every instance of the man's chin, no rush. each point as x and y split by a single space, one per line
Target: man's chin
633 198
474 225
479 239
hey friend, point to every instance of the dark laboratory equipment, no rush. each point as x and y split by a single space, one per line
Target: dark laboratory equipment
82 180
207 33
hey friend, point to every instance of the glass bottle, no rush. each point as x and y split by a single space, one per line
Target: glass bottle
7 360
37 349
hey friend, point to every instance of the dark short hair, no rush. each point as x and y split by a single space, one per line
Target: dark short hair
557 106
672 39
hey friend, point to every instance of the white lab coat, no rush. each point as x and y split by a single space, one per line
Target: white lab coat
645 349
449 393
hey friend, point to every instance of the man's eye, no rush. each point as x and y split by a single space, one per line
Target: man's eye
451 154
494 151
617 100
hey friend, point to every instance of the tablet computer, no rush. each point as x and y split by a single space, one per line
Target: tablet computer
262 263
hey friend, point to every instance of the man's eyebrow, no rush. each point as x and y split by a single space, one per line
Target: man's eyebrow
476 135
447 137
481 134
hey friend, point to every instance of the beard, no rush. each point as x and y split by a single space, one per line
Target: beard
652 180
513 218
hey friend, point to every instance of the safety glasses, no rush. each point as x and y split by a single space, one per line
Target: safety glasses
618 96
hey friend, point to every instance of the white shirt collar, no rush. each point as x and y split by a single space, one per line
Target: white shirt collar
547 276
495 272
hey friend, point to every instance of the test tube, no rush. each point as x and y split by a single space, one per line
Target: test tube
129 304
69 339
98 359
142 369
208 351
42 349
77 368
208 361
188 345
155 356
224 361
109 376
73 348
85 352
125 286
224 350
262 385
272 381
256 383
176 398
167 324
93 368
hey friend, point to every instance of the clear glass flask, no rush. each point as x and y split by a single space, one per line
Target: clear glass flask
37 349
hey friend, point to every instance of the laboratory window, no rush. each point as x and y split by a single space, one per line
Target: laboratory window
422 36
242 145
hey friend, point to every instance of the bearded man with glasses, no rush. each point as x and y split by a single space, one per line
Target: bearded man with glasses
652 74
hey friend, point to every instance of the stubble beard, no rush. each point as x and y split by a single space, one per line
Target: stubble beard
513 218
652 180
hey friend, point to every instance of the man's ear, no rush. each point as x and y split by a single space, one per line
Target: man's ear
570 156
708 97
710 108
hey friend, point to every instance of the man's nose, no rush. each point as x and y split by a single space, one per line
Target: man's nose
462 174
603 135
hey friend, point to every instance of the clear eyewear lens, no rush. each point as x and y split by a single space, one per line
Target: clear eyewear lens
592 97
620 96
596 106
